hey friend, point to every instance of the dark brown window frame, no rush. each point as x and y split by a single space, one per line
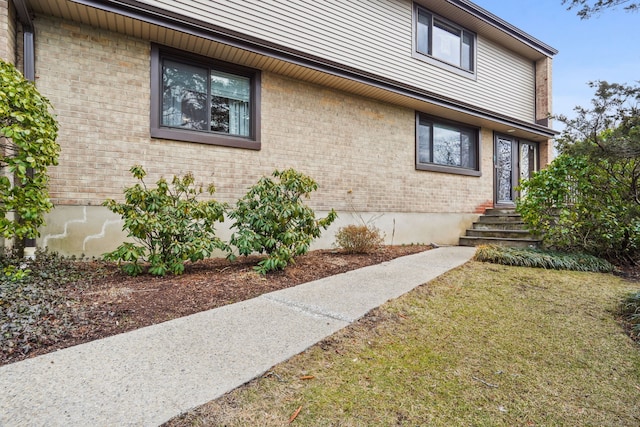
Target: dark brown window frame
252 142
434 167
472 74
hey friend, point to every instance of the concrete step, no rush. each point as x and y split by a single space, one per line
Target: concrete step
499 225
500 211
505 234
515 243
501 217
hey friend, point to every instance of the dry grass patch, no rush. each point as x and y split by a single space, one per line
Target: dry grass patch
484 345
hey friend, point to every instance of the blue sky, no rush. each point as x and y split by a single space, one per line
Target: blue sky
604 47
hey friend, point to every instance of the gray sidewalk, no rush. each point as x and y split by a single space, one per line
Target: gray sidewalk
147 376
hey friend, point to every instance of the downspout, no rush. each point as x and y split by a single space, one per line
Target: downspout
29 52
29 71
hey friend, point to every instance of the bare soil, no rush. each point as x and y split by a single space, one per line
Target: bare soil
113 302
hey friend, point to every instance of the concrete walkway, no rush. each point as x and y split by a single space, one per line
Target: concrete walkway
147 376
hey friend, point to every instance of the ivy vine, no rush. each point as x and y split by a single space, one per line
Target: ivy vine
28 146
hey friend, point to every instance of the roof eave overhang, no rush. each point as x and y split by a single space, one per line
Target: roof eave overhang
502 25
156 16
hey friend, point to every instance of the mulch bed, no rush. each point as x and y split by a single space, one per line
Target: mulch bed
113 302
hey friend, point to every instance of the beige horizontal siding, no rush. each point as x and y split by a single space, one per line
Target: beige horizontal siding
374 36
506 78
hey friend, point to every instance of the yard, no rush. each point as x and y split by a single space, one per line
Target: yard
484 344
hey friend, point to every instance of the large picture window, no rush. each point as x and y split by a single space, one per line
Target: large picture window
445 146
444 41
200 100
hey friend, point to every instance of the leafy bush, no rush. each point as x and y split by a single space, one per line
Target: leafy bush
33 307
588 199
359 239
630 311
272 218
528 257
576 206
28 135
168 224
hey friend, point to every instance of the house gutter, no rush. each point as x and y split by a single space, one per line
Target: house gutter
29 72
496 22
156 16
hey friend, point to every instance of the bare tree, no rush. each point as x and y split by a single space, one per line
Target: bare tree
587 8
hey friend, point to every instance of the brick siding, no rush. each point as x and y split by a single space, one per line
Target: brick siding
544 107
7 32
360 151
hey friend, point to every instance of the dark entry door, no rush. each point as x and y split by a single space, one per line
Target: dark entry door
514 160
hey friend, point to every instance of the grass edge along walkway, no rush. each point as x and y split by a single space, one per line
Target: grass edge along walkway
483 345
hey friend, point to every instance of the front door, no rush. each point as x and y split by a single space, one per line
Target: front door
514 160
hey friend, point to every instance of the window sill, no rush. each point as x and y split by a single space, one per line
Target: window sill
205 138
441 64
447 169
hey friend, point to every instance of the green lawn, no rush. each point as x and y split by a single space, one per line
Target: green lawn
483 345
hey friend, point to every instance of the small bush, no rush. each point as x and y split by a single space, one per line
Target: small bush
33 306
273 219
169 225
630 311
527 257
359 239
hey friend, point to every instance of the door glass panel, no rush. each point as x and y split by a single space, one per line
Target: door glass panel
504 171
528 163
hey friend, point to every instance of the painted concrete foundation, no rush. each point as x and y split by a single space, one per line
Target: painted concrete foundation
93 230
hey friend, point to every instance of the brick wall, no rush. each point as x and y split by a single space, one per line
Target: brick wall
98 85
7 31
360 151
544 107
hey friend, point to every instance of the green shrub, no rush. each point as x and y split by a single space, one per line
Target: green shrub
528 257
33 306
576 206
359 239
273 219
587 200
630 311
28 148
169 225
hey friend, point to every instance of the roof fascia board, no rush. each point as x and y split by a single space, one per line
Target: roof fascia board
504 26
163 18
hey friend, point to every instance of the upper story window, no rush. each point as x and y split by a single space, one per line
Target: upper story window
198 99
439 39
445 146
